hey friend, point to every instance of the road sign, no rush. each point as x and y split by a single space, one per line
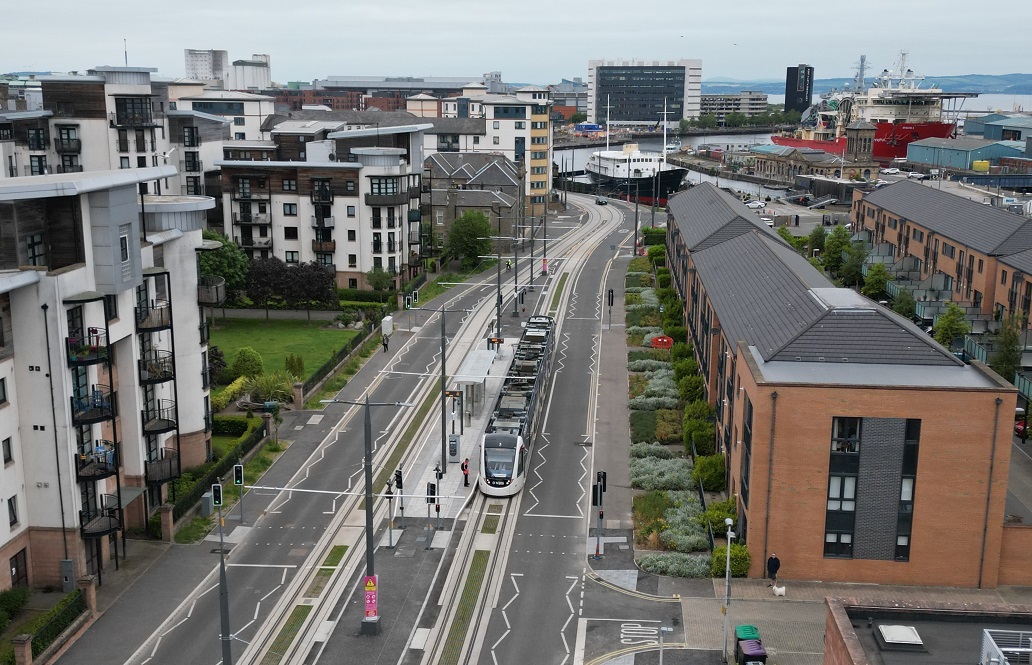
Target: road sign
370 596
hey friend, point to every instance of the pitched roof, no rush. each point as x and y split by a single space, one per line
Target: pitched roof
983 228
476 126
712 213
961 143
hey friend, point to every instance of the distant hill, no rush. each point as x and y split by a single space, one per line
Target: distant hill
1003 84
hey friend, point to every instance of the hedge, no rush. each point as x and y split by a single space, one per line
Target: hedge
232 425
651 236
361 295
222 399
676 564
710 470
740 560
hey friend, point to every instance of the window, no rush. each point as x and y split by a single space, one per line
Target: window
37 165
539 140
540 154
35 252
37 139
380 186
496 124
111 307
842 493
292 257
981 264
324 259
838 544
1003 278
238 122
476 140
239 136
290 233
948 250
351 235
918 235
12 510
349 186
351 211
521 125
290 209
352 283
845 435
440 218
8 452
289 184
495 140
123 163
352 261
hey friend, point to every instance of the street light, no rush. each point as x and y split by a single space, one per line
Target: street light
371 621
727 584
663 631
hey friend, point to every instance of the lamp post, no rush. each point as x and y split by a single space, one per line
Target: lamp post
663 632
371 621
727 585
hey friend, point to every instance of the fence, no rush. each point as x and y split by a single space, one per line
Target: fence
46 634
318 375
221 468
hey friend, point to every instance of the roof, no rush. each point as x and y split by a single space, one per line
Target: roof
457 126
1012 121
253 145
379 118
714 216
962 143
200 115
860 124
986 229
1020 261
423 97
74 184
308 126
472 198
477 168
228 94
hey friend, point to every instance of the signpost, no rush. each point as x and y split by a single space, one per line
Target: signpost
371 612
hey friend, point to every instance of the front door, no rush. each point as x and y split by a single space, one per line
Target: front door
19 570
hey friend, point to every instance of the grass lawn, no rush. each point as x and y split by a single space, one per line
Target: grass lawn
273 339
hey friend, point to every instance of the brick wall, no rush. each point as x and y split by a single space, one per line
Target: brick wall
1016 555
45 552
192 449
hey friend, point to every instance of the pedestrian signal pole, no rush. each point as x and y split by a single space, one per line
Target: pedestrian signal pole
224 635
597 490
238 480
611 296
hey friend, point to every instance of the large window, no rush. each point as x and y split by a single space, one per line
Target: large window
845 436
35 250
290 209
291 257
383 185
12 510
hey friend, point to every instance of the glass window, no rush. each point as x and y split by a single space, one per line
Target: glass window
380 186
351 235
12 510
238 122
496 124
352 283
845 435
838 544
292 257
35 252
8 451
290 233
352 260
842 493
289 184
290 209
351 211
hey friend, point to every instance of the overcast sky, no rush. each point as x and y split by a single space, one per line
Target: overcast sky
529 41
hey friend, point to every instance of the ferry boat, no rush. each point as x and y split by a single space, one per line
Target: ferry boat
635 172
895 103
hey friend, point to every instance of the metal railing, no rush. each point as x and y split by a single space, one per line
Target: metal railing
156 366
155 316
341 353
68 145
211 290
203 484
164 469
70 610
159 419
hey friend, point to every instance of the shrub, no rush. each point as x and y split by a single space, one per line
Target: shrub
739 560
248 363
645 449
637 279
643 426
652 403
710 470
643 330
677 333
277 387
656 253
683 531
647 365
705 440
295 364
652 473
632 298
648 514
663 278
676 564
648 354
668 426
235 389
651 236
682 351
639 264
690 388
634 289
648 316
698 410
661 383
684 367
13 600
694 429
718 511
636 385
229 425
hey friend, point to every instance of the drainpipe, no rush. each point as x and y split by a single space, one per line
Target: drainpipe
770 473
989 491
53 413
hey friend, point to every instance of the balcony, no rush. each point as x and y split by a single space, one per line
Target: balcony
258 219
192 140
99 463
321 195
160 418
377 248
192 165
324 223
68 145
154 317
254 243
211 290
69 168
162 470
153 118
398 199
251 194
393 247
324 246
102 520
95 406
329 267
156 366
204 332
87 349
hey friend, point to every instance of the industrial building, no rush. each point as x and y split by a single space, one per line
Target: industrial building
960 154
637 92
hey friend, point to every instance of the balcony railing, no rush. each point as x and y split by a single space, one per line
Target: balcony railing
205 378
155 316
377 248
393 247
68 145
191 189
95 406
204 331
322 196
260 218
164 469
103 519
255 243
69 168
324 223
192 141
193 165
329 267
251 195
209 420
211 290
37 143
87 349
98 463
160 418
153 118
399 199
324 246
156 366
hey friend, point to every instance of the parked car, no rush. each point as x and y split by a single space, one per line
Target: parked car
755 204
600 201
891 171
768 221
916 176
1019 427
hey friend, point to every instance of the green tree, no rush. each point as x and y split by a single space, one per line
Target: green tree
797 243
265 280
835 245
875 281
734 120
1006 360
684 125
578 117
379 279
816 240
852 269
469 238
248 362
904 304
951 325
708 121
228 262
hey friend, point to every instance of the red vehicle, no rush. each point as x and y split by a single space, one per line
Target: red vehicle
1019 428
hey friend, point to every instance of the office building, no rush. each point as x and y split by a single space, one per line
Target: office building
747 103
799 88
636 93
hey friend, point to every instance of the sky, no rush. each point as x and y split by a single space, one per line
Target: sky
528 41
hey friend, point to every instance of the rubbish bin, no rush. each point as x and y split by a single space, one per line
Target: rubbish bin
752 651
747 632
270 407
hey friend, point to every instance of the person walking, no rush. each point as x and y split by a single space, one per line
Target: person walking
465 472
773 566
386 343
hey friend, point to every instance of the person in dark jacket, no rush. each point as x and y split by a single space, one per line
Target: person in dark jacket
386 343
773 566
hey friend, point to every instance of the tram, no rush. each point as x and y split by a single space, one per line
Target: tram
511 429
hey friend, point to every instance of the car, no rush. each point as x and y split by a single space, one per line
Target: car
768 221
916 176
1019 427
755 204
892 171
601 201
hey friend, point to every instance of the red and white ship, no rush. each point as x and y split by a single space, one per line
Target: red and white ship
895 103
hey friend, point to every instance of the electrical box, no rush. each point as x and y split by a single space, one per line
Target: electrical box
453 448
387 325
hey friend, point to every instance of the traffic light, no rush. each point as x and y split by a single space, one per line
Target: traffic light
431 493
438 472
397 479
238 474
216 494
601 477
611 297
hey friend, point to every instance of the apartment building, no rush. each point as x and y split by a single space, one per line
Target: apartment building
747 102
102 364
345 196
859 449
247 111
636 93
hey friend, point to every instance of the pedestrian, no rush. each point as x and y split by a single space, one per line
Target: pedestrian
773 566
386 342
465 472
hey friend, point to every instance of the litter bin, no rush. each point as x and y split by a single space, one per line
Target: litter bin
270 407
453 447
747 632
752 651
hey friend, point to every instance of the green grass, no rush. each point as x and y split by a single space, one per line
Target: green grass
648 514
490 524
335 556
340 379
273 339
447 280
558 292
197 529
643 426
467 603
287 634
222 444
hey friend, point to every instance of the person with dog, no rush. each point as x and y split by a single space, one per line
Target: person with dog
773 566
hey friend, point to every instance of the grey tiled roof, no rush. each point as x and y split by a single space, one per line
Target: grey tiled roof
710 212
983 228
457 126
1020 261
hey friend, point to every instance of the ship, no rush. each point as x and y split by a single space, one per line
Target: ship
895 103
634 172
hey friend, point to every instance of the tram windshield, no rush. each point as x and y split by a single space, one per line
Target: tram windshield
499 462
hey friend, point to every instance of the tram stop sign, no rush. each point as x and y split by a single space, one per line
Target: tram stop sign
662 342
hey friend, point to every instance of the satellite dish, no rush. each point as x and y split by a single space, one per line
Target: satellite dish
333 157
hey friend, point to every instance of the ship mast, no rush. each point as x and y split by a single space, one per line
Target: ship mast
664 133
608 111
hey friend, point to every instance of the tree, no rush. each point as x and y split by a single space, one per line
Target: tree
228 262
248 362
708 121
734 119
852 269
379 279
578 117
836 243
1006 361
786 235
904 304
469 238
875 282
684 124
308 284
816 239
265 280
951 325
